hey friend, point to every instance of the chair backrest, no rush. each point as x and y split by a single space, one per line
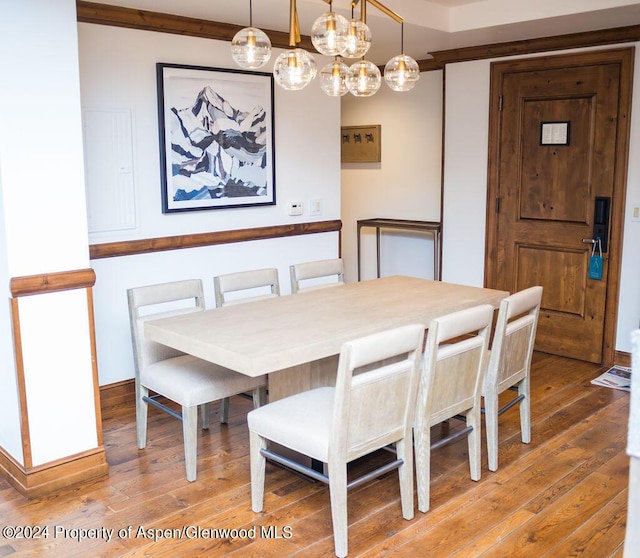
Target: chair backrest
451 380
262 283
152 302
302 274
375 407
514 338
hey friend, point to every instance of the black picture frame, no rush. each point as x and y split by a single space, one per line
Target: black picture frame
555 133
217 138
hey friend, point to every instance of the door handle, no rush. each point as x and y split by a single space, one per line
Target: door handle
589 240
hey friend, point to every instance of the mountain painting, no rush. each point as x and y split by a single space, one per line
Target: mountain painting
216 138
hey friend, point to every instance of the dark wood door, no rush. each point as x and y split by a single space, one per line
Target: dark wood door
559 129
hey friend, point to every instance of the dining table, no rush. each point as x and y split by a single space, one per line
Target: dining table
296 339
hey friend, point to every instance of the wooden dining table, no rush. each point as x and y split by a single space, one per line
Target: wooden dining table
296 339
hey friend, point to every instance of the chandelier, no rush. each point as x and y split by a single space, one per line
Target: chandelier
332 35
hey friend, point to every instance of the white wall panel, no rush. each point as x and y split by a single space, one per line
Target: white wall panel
57 369
108 155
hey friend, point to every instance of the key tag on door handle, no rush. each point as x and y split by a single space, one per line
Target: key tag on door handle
595 261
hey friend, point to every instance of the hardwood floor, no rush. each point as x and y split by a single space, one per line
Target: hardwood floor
564 494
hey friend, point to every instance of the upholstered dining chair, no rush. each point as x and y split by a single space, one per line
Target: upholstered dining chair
303 274
188 381
245 286
450 386
509 364
249 285
365 411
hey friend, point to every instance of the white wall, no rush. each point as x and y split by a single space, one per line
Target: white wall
465 172
404 185
42 142
9 409
44 226
117 71
465 189
629 306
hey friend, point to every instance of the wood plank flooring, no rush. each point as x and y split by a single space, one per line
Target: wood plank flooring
564 494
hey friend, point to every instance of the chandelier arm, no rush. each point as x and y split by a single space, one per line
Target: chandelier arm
384 10
294 26
297 29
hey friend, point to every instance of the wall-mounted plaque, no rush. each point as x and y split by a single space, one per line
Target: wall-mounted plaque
360 144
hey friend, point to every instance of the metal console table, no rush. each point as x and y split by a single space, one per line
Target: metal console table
431 227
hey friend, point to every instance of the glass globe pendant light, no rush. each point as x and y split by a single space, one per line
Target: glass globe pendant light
358 39
329 33
333 78
401 72
251 47
364 79
295 68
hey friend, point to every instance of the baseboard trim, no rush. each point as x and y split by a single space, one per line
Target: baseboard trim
48 478
622 359
117 394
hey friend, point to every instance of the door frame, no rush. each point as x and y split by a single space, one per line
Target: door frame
625 58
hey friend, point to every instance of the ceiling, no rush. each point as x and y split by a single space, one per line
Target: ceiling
429 25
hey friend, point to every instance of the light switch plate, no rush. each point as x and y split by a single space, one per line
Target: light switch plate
315 206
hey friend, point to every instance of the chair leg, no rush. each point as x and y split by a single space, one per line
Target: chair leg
422 434
491 424
404 451
224 410
525 410
257 464
205 410
474 442
190 434
338 496
141 416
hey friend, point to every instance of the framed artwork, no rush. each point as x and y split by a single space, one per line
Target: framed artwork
360 144
216 138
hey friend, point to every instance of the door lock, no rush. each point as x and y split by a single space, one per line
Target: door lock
601 211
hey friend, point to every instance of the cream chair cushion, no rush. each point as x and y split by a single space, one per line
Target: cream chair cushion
309 434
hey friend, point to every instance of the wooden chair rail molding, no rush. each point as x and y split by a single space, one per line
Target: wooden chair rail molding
52 282
148 245
584 39
105 14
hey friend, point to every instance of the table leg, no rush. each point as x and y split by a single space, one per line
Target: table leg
378 251
358 253
294 380
436 256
